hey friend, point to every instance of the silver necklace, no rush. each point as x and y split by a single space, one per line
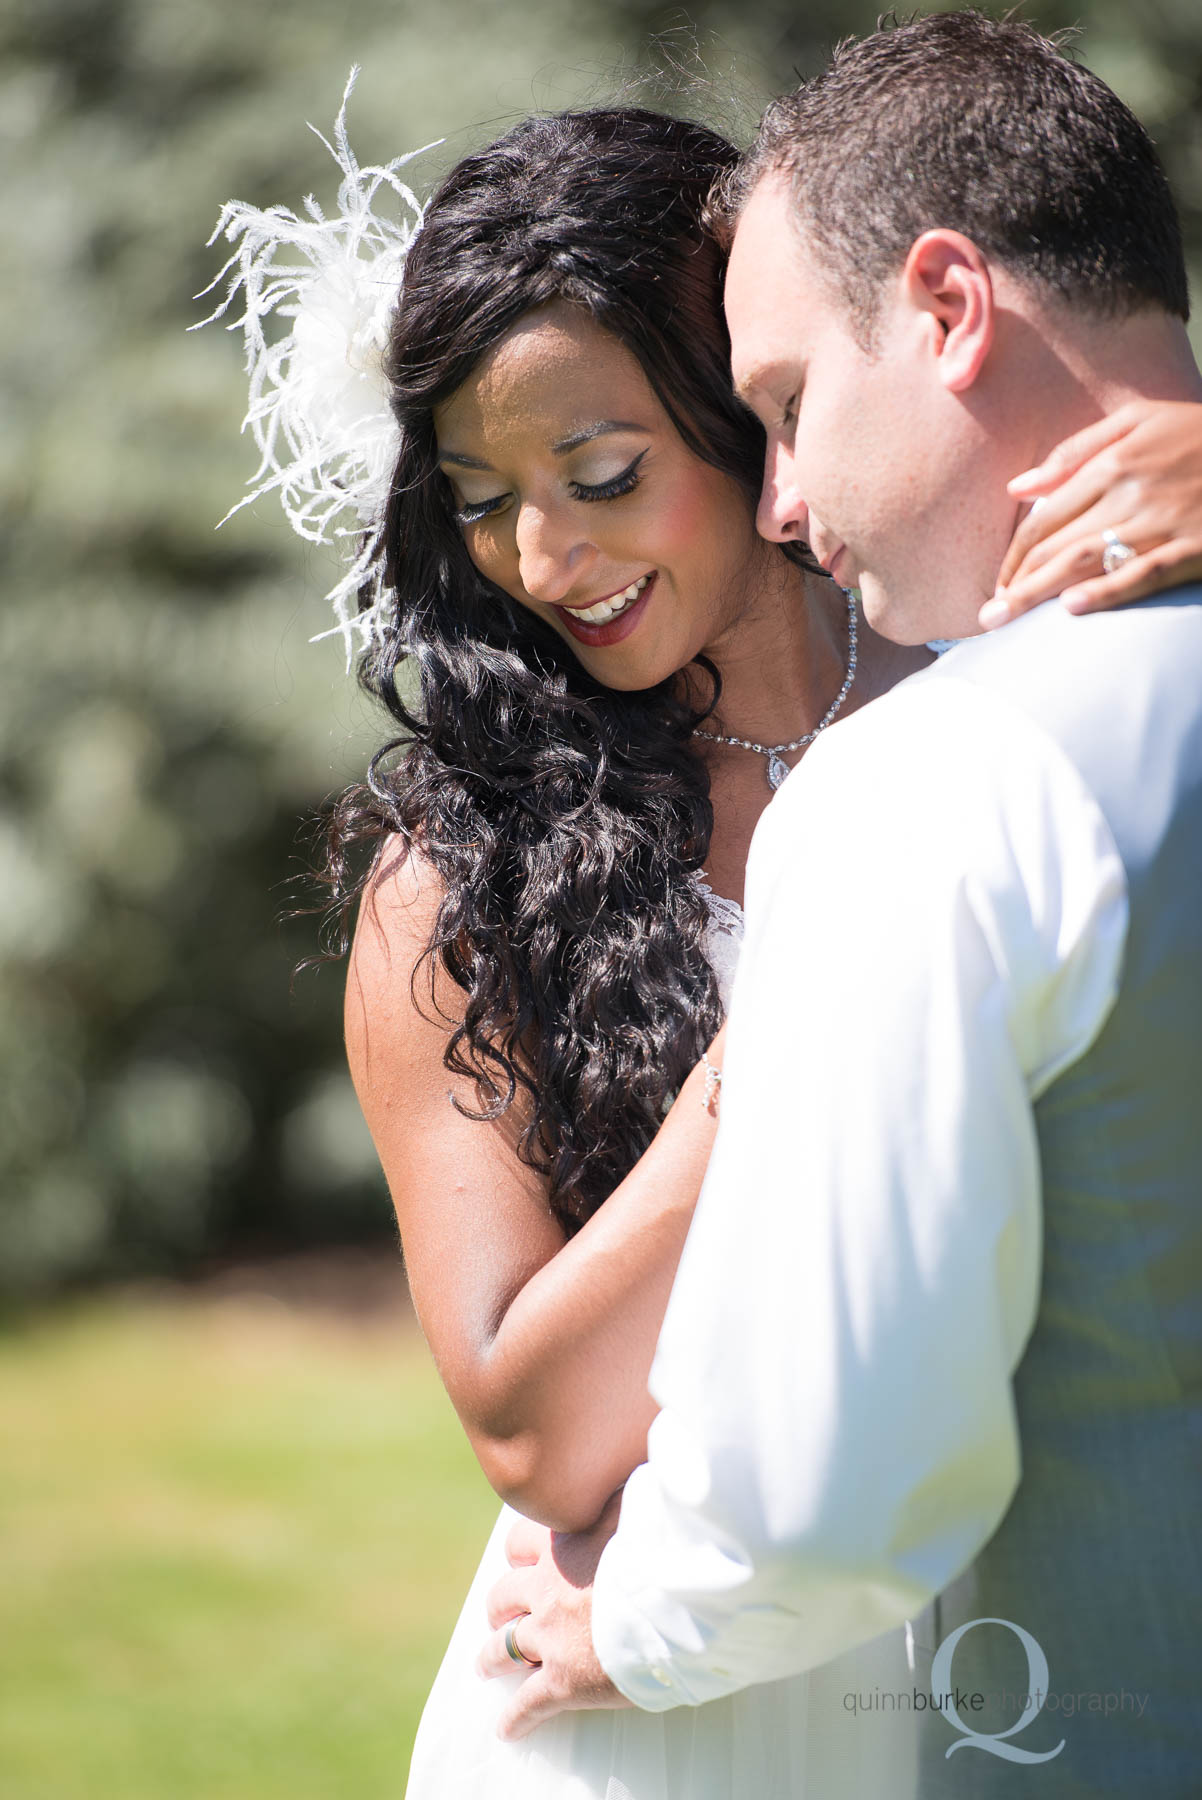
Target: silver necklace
777 769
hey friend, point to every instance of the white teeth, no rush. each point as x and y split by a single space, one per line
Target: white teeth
607 609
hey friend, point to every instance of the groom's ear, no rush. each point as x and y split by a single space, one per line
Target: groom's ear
946 281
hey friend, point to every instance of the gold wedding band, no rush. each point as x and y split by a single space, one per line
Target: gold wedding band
516 1654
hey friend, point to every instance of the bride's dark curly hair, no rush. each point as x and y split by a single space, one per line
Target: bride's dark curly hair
564 820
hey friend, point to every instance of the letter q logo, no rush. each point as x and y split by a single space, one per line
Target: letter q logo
993 1741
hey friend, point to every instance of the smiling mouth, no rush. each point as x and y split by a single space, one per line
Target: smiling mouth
602 610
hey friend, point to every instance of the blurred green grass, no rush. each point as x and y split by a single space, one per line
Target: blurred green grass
234 1536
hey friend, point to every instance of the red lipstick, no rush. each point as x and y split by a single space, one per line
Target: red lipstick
613 630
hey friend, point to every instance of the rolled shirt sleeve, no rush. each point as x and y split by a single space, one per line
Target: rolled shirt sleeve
936 913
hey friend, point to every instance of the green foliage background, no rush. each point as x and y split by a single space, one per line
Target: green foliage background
164 725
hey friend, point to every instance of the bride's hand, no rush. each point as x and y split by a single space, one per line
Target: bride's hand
1137 472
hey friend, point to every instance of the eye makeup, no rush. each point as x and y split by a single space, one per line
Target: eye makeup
623 483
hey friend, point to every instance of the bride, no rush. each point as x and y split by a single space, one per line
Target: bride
599 672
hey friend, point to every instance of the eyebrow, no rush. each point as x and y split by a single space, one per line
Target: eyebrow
464 462
602 428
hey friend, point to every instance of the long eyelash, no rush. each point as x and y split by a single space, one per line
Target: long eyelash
471 515
625 483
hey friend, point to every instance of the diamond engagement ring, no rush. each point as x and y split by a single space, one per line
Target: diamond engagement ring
1115 553
516 1654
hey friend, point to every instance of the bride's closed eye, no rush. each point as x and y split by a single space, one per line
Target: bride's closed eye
623 483
479 509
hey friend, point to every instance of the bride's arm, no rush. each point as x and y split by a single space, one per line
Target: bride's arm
544 1342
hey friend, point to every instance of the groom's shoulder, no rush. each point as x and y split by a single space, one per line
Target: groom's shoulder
1116 695
1115 698
1061 670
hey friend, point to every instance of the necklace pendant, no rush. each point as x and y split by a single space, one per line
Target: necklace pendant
778 769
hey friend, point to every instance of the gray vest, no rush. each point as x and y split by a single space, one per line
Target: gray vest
1099 1558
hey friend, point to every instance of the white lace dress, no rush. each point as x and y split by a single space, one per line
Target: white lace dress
786 1740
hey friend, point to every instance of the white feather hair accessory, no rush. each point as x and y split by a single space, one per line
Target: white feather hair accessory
319 409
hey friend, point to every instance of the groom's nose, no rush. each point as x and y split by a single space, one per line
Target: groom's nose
782 514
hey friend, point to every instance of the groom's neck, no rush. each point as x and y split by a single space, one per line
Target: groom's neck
1089 369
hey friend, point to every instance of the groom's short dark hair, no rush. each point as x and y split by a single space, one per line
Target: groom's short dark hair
981 126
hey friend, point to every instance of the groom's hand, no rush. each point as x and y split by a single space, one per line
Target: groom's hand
547 1595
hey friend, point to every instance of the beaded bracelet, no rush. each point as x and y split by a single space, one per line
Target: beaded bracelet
713 1084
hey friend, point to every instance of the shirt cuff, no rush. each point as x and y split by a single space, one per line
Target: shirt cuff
635 1656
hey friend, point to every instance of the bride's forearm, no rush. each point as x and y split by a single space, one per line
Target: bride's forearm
565 1373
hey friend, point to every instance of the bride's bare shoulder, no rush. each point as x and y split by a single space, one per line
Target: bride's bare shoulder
400 903
400 1001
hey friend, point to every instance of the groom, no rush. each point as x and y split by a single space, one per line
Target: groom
931 1374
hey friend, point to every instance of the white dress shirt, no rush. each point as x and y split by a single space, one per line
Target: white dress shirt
936 914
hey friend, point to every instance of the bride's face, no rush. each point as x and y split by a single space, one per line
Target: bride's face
577 496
